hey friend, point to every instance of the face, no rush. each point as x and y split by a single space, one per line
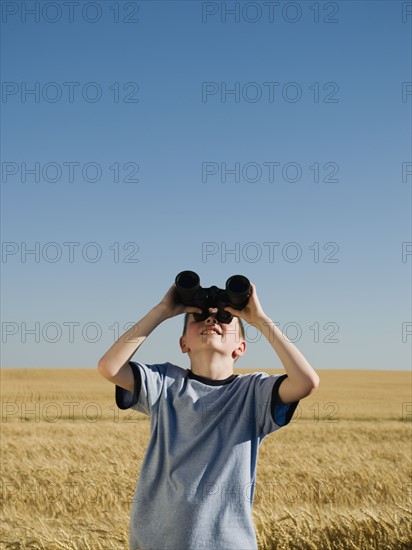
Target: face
210 334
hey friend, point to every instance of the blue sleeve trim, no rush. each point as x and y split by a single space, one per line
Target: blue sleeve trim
281 412
124 398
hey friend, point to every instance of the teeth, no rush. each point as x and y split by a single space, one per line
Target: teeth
210 331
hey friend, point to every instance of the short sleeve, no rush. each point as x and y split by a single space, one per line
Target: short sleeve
273 413
148 383
281 412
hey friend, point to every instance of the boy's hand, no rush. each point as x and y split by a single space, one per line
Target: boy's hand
252 313
172 306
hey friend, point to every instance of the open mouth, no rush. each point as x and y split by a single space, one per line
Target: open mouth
212 330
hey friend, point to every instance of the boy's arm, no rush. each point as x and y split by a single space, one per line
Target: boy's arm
114 364
302 379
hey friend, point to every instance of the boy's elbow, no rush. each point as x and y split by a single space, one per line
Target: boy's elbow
102 370
314 385
310 386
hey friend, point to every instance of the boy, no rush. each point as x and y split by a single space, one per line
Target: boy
196 484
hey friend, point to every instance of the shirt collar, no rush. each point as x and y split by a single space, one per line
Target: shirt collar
210 382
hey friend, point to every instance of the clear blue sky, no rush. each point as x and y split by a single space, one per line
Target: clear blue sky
131 128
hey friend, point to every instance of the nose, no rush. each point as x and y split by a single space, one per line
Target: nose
211 320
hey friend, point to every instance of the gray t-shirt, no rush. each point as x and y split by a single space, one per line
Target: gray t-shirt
196 485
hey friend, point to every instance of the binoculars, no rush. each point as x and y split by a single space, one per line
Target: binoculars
190 293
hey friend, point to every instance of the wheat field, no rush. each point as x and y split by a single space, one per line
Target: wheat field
337 477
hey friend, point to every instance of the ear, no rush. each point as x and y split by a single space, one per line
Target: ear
240 350
183 345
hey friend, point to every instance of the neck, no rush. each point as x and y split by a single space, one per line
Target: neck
215 367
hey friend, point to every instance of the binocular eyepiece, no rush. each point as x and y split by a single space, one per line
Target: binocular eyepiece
190 293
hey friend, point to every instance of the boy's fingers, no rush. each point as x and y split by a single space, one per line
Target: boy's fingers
193 309
237 312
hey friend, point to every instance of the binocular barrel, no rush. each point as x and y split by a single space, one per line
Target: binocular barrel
188 286
187 281
238 291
